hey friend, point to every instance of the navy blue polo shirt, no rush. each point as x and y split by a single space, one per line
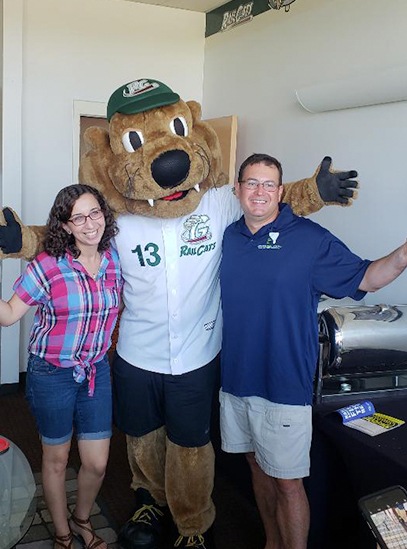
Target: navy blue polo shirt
271 283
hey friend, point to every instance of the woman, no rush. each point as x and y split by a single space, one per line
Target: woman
75 284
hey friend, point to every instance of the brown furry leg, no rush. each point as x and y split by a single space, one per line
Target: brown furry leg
189 484
146 457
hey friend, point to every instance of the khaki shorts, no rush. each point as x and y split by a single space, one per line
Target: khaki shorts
278 434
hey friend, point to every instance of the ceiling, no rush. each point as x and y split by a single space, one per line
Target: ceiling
202 6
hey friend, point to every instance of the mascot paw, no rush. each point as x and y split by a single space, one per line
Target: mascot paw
10 233
334 186
144 529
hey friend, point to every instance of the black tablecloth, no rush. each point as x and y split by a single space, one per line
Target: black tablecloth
347 464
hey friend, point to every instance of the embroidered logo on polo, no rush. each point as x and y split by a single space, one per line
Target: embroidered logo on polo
271 243
196 236
138 87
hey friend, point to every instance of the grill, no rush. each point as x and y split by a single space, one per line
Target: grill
362 352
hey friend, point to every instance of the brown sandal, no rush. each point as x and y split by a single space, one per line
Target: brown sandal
96 541
66 542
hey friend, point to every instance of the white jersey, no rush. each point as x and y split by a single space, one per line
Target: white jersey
172 320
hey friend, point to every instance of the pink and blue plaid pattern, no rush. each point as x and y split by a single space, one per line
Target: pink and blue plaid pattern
76 314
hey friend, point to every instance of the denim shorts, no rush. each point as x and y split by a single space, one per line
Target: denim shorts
59 404
278 434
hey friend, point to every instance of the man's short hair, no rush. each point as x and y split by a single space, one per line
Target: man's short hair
261 158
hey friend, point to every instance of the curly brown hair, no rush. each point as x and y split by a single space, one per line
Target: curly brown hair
57 240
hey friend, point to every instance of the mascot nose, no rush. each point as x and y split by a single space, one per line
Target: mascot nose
170 168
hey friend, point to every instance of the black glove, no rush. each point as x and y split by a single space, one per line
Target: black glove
335 187
11 239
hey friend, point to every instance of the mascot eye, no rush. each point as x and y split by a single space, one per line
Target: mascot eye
132 140
179 126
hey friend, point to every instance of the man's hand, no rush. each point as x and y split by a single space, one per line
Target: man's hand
335 186
11 240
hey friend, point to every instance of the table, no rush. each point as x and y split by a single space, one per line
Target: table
17 494
347 464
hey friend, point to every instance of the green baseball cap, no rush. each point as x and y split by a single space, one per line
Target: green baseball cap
139 96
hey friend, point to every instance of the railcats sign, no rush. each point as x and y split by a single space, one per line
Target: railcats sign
236 13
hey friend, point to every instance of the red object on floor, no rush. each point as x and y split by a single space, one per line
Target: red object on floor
4 445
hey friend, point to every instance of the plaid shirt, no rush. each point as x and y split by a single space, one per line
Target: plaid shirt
76 314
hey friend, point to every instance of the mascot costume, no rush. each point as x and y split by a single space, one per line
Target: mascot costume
159 166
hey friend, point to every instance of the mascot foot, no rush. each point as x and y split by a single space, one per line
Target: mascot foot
143 530
200 541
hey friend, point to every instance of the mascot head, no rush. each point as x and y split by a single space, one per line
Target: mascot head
158 157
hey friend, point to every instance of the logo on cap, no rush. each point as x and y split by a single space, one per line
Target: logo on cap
140 95
138 87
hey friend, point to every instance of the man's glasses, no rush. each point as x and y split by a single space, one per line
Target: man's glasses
80 219
252 184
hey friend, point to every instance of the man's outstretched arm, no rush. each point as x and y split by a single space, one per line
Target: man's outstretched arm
384 270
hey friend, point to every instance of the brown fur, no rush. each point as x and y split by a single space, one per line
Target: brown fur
146 457
125 178
193 510
168 472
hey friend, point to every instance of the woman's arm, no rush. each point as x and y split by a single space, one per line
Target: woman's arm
11 311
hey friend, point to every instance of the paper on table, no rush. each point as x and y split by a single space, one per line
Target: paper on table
376 424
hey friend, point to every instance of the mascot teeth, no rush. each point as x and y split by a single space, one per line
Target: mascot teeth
197 188
151 202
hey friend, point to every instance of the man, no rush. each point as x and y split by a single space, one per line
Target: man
275 266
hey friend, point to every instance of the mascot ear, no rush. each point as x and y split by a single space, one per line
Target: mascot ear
210 138
95 163
195 109
97 138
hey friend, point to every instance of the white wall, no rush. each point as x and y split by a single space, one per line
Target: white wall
11 170
82 50
253 71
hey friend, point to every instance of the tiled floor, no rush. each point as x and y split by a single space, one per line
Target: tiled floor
40 534
237 523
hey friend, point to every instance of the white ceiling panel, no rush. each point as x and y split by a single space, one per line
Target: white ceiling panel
202 6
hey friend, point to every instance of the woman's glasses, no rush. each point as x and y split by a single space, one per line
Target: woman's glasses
80 219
